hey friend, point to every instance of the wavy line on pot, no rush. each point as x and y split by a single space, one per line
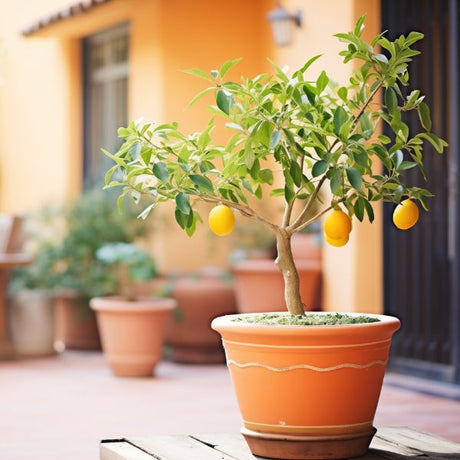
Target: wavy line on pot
377 362
263 345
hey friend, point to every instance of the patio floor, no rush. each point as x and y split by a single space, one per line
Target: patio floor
59 408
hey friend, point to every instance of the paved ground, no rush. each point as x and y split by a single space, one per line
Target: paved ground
59 408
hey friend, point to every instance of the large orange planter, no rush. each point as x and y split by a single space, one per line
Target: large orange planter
259 285
132 333
307 392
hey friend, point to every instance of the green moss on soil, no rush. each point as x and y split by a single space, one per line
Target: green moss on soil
310 319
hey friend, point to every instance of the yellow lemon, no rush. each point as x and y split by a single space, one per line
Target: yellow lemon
337 225
405 214
336 242
221 220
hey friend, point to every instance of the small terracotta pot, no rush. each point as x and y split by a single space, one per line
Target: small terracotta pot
190 336
132 332
307 392
259 285
75 324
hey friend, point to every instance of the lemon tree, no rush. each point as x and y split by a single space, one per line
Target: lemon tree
316 133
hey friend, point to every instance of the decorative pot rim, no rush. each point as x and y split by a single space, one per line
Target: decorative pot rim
142 304
226 323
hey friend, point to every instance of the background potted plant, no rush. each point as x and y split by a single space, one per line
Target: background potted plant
132 328
32 298
201 297
307 384
86 224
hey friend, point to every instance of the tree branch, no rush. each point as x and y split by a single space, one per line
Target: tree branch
309 221
299 221
243 209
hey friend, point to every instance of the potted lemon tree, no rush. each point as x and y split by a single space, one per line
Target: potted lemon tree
131 327
307 383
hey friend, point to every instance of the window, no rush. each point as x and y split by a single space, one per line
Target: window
105 87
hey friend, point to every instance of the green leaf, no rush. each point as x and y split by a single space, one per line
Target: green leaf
202 182
288 194
354 177
266 176
123 132
359 27
336 181
342 93
160 171
264 132
340 117
384 139
434 140
277 192
391 100
275 139
181 218
369 210
183 203
296 173
381 58
397 158
249 155
359 208
319 168
424 115
407 165
321 82
304 68
226 66
366 125
199 73
224 100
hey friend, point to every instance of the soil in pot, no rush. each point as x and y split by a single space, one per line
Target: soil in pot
189 335
259 285
132 333
307 392
75 326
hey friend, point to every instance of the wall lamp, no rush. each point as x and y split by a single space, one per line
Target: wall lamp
282 21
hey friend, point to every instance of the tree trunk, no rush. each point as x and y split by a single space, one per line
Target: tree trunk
285 262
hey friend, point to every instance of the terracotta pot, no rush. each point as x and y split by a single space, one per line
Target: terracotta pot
306 246
307 392
32 323
76 326
260 287
132 332
190 336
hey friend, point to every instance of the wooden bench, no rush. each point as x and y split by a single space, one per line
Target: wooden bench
389 443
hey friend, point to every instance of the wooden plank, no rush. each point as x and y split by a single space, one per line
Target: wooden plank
383 444
391 443
230 444
121 450
177 447
424 443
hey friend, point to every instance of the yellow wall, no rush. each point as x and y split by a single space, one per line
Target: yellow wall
41 108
